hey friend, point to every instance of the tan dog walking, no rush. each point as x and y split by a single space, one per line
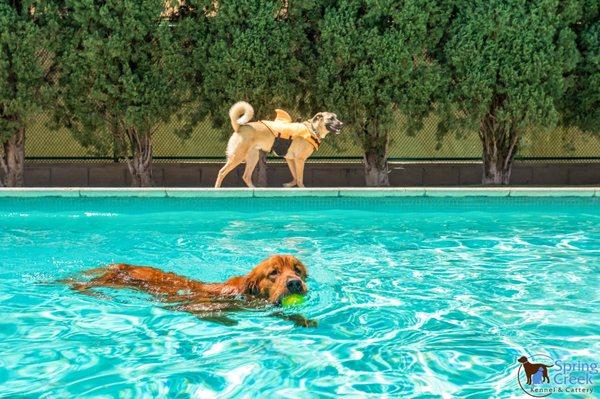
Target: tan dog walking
249 138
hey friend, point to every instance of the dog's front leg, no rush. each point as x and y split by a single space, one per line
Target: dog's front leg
297 319
299 165
218 319
292 166
212 312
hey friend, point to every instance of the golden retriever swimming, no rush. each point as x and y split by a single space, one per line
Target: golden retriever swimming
250 137
270 281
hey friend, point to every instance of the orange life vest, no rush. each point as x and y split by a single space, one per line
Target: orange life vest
283 127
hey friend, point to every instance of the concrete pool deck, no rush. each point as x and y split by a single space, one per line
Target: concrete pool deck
304 192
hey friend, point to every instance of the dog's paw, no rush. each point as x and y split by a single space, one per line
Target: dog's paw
301 321
297 319
306 323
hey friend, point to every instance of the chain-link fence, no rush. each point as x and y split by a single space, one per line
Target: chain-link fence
207 143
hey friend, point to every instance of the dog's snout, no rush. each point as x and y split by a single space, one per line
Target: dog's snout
338 126
294 286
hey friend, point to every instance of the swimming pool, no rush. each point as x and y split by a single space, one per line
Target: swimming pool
415 296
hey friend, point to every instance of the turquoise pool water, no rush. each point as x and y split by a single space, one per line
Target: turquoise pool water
415 297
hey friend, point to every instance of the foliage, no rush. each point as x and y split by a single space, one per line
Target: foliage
122 67
505 62
121 73
373 58
21 75
582 101
512 53
258 51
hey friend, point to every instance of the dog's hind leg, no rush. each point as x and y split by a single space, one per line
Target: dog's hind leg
83 288
251 161
545 375
230 165
292 166
96 271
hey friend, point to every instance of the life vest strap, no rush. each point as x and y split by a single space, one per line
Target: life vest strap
313 137
313 142
278 135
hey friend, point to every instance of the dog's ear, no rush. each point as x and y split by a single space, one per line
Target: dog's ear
318 117
251 286
252 281
260 272
299 266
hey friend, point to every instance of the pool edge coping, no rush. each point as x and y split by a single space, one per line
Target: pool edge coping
202 192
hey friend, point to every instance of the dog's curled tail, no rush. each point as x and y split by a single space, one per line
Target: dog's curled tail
240 113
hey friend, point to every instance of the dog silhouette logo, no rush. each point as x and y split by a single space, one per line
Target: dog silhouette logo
534 372
540 375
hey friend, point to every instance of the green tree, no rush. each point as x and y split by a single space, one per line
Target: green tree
21 81
505 64
122 72
581 107
258 52
375 60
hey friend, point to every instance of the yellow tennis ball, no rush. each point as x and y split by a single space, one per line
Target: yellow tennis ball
292 300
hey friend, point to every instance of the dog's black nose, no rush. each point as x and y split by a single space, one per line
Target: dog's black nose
294 286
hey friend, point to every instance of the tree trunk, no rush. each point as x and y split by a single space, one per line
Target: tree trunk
494 172
260 172
13 159
499 149
140 165
376 164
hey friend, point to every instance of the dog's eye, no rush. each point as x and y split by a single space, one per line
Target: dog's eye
274 273
297 270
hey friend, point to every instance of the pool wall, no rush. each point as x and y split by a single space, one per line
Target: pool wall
317 174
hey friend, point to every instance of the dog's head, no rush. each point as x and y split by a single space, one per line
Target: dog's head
276 277
326 122
522 359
